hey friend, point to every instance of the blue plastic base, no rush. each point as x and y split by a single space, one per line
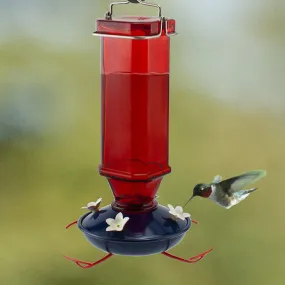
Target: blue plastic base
144 234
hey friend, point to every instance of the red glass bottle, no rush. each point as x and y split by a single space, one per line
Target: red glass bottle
135 108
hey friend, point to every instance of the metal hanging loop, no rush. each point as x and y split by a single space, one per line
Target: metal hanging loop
109 14
136 1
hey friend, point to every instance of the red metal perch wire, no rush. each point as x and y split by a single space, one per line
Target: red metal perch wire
86 264
71 224
193 259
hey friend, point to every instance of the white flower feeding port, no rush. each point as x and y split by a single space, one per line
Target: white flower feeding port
116 224
178 212
93 206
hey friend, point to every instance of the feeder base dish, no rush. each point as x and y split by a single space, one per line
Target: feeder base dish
144 234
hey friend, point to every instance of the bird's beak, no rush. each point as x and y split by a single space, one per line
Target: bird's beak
188 201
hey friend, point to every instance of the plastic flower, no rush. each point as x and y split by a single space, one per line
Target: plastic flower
93 206
116 224
178 212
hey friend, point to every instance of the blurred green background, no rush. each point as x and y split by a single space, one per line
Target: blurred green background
227 117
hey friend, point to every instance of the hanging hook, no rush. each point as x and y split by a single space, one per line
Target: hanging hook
136 1
109 14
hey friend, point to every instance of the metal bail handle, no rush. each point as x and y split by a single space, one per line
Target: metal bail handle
136 1
163 20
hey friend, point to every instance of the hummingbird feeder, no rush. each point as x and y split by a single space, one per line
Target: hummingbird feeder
135 54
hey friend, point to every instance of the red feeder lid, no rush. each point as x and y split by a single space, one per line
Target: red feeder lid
132 26
135 27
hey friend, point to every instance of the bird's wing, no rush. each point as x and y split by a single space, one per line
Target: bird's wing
237 183
217 179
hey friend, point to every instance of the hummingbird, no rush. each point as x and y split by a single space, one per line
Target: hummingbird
229 192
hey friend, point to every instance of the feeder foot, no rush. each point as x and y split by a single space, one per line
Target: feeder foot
85 264
193 259
70 225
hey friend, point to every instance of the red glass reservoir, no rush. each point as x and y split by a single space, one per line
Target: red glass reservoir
135 109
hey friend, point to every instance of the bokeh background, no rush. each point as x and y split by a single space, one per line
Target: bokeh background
227 117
